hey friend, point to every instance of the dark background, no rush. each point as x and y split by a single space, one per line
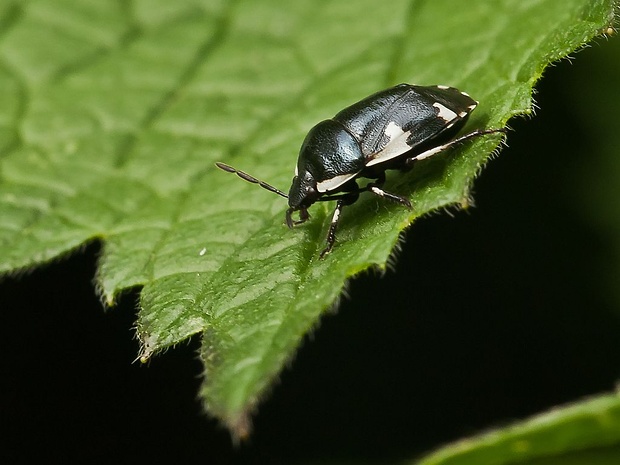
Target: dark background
491 315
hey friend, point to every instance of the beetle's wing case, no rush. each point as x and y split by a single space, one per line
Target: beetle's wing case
451 106
368 118
400 119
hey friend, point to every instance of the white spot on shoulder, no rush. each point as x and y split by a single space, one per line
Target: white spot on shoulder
442 87
444 112
465 94
396 146
334 183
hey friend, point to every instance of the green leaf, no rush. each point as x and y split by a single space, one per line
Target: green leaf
113 114
585 432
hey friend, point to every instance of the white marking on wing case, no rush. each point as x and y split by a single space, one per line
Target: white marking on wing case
396 146
444 112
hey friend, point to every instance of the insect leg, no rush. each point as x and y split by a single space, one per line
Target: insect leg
375 188
387 195
303 217
347 199
459 140
331 234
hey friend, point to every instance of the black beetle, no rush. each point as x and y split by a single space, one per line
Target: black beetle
390 129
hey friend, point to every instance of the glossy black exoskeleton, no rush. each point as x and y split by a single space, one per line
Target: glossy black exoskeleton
390 129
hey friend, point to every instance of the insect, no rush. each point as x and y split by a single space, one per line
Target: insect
391 129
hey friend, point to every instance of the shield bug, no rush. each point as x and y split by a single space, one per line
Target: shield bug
390 129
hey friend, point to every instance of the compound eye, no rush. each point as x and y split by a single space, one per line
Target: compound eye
311 194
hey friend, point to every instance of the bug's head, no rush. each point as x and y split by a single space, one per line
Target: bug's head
328 157
301 195
303 192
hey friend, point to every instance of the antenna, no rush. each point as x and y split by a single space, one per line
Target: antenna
248 178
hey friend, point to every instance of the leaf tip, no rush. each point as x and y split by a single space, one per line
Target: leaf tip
240 427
